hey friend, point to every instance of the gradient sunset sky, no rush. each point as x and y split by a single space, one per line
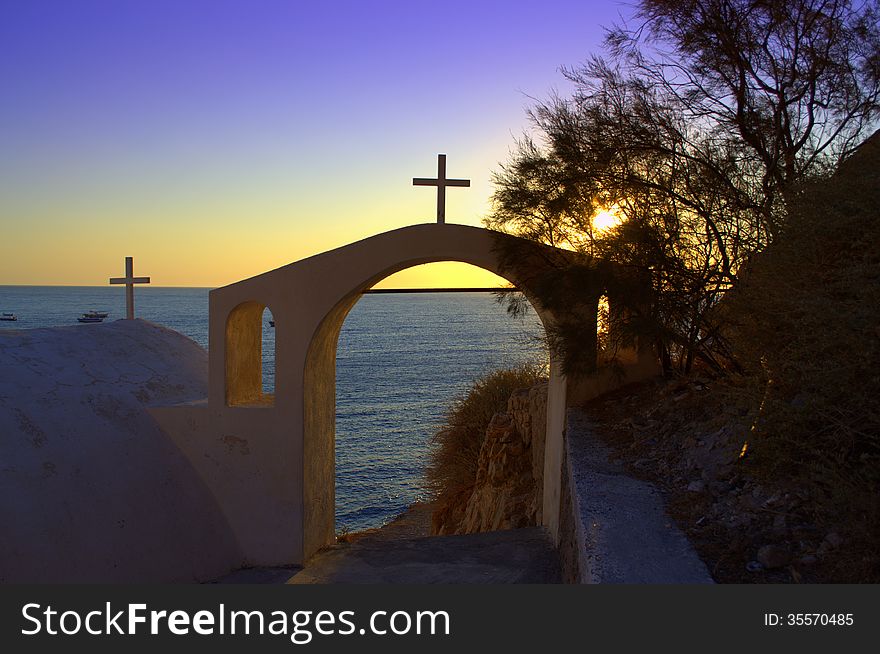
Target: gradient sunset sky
213 140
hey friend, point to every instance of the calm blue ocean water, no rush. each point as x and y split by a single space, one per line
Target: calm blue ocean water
402 359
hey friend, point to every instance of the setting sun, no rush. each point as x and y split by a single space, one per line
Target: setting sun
605 219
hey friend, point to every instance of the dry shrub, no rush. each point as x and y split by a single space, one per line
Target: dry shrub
807 319
454 458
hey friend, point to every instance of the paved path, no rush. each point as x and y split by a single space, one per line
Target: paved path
519 556
402 553
624 533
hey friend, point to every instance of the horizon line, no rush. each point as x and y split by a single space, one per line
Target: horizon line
416 289
454 289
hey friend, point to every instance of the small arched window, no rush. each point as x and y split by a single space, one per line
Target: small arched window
244 356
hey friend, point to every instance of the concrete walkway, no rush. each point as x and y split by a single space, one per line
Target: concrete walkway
519 556
623 532
401 552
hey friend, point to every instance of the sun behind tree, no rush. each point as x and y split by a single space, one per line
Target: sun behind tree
605 220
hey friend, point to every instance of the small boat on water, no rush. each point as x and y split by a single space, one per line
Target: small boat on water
93 316
8 316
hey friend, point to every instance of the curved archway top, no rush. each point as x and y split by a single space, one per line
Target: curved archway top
429 240
357 266
310 298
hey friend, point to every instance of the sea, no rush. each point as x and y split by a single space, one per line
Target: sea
402 360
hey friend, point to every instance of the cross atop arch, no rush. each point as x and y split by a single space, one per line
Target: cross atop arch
441 183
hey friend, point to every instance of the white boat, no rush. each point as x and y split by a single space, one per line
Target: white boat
8 316
96 314
88 317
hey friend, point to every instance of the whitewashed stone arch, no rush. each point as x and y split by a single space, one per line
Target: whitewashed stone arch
378 258
271 467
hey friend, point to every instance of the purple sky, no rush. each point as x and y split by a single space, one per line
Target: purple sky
177 131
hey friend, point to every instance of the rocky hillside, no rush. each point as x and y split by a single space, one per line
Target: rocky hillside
510 472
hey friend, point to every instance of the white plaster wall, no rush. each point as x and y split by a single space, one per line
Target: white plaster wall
91 489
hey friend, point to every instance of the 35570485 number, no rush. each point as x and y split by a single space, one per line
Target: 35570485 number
809 619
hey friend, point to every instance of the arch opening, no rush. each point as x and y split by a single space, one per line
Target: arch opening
603 332
319 437
244 340
401 359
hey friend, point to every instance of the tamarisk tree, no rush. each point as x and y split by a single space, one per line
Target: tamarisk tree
697 128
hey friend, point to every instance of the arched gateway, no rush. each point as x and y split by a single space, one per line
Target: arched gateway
269 461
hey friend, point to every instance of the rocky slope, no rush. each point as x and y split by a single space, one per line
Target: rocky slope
686 436
510 472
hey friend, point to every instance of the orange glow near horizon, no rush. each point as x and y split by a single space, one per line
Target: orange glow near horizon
201 273
444 274
218 240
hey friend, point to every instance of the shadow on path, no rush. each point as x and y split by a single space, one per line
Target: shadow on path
402 553
518 556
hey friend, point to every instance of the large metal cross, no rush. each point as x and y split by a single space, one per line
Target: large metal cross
129 280
441 183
